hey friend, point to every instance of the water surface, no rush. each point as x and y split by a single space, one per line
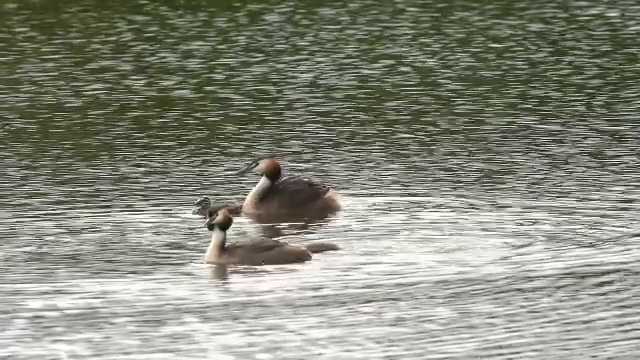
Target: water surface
486 155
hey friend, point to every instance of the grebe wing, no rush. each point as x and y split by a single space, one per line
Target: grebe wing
297 190
256 246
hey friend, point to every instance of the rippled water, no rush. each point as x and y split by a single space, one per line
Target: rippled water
487 157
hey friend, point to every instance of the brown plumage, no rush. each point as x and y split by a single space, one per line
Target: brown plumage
263 252
269 252
291 198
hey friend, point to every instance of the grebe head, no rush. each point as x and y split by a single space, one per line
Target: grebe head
220 219
268 167
201 206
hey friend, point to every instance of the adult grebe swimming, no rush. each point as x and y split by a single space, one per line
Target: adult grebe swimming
290 198
264 252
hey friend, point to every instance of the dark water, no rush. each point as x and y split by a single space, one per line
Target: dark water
487 157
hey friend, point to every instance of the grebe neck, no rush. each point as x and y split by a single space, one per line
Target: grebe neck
259 190
217 245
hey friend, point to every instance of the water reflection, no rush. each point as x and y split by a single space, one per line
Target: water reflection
220 273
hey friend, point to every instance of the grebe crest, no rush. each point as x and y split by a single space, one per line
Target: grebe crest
268 167
219 219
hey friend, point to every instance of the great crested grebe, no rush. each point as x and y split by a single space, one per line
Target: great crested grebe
278 198
264 252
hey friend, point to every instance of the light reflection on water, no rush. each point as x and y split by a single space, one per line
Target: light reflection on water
486 156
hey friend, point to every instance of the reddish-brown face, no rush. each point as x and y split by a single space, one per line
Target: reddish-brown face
268 167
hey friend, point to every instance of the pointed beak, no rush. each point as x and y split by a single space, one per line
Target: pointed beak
244 170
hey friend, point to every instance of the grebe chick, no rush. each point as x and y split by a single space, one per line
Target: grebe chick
203 205
270 252
278 198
